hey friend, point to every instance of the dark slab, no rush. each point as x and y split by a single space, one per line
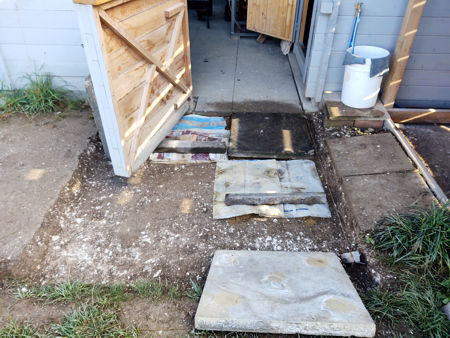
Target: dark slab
270 135
371 197
368 154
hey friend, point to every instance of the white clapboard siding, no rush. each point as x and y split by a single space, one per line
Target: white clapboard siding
380 24
426 82
41 36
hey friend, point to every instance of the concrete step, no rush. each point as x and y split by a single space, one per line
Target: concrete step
338 114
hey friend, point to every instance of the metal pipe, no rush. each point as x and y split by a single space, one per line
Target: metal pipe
432 184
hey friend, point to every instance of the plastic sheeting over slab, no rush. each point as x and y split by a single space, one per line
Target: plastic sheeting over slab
267 176
196 128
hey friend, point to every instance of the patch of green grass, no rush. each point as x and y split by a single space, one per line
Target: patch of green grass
418 245
196 292
149 289
60 292
417 303
173 292
76 292
93 321
420 239
39 96
381 304
16 330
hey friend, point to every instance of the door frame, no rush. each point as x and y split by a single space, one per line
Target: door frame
303 59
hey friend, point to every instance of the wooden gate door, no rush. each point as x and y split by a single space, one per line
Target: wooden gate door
272 17
139 60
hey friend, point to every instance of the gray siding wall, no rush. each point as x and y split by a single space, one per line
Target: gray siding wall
380 25
41 35
426 82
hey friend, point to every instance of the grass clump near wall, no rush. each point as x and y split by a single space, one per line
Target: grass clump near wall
40 96
417 246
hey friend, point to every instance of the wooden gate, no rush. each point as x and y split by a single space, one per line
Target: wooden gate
272 17
139 59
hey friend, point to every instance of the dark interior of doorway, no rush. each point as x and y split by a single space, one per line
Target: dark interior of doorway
305 24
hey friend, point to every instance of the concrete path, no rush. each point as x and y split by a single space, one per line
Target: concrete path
238 75
377 176
37 158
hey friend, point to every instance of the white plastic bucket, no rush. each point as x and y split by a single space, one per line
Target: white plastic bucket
359 90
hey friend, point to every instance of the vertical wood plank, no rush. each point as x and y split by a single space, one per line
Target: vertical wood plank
146 93
174 38
273 18
405 40
187 50
303 22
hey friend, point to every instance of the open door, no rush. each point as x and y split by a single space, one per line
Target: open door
139 60
272 17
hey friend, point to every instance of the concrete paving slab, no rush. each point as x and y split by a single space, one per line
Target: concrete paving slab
372 197
281 292
37 158
368 154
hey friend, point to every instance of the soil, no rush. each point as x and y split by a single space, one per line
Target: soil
168 318
432 142
157 224
37 157
29 311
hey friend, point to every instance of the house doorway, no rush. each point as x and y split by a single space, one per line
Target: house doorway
238 75
303 35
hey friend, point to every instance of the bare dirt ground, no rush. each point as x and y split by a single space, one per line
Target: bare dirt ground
157 224
432 142
37 158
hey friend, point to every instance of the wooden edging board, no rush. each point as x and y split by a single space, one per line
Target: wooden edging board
405 115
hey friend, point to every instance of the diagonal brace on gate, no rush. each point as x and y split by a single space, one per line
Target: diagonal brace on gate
135 45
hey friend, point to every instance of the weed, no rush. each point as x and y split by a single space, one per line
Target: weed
420 239
66 292
173 292
196 292
149 289
418 245
381 304
118 292
93 321
16 330
39 96
418 303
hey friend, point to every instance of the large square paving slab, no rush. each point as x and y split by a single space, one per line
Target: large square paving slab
372 197
281 292
369 154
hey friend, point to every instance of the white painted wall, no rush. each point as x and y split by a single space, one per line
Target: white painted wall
43 36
